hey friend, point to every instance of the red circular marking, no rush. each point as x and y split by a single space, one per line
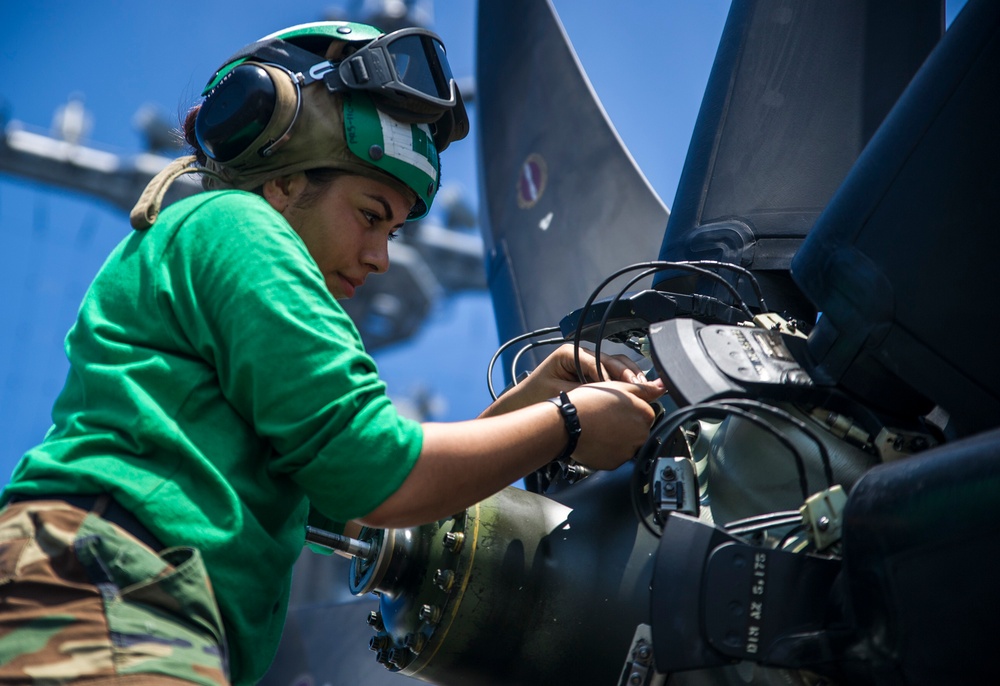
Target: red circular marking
531 181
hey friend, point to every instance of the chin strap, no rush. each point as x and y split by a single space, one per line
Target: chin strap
146 210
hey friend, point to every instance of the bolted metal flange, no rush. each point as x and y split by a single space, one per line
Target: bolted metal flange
415 642
444 579
453 541
430 614
400 657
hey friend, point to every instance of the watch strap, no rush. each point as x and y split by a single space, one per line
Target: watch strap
571 419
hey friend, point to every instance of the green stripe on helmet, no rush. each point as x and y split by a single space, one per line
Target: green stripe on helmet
345 31
337 30
404 151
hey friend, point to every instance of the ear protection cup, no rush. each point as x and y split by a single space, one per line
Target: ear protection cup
248 113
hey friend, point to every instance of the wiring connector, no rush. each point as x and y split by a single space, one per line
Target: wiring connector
822 515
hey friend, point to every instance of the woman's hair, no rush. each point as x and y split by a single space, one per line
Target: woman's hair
191 138
318 178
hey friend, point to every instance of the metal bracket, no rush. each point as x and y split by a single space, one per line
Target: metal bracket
675 486
822 515
639 669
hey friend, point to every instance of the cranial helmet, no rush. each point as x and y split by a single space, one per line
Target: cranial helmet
336 95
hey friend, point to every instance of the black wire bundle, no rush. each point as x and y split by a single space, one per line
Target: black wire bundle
517 339
526 348
746 409
720 409
697 267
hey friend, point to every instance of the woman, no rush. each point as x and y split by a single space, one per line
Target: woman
217 391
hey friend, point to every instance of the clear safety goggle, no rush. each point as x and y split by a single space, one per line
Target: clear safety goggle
405 65
409 63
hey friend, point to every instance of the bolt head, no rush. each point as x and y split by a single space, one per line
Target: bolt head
399 657
415 642
429 614
453 540
444 578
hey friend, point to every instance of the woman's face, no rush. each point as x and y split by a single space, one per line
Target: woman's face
346 226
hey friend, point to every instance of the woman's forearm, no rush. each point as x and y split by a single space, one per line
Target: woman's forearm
462 463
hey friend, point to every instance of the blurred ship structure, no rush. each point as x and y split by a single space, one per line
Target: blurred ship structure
430 261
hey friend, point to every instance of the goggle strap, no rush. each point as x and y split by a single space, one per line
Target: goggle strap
304 63
276 51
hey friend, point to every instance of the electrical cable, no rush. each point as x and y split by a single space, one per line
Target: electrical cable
614 301
792 533
739 271
824 454
526 348
607 314
638 476
752 525
655 266
517 339
723 409
720 410
754 521
644 459
642 518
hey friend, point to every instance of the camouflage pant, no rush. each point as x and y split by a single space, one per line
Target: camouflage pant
83 602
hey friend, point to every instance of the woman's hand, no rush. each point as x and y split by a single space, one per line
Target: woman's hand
615 418
558 373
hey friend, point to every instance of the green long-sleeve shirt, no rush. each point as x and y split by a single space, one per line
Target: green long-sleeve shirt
216 389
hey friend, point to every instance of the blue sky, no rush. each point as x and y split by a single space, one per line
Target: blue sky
648 62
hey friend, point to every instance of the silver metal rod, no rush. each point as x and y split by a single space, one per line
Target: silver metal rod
345 544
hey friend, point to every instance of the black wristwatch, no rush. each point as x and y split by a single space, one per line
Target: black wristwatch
572 421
